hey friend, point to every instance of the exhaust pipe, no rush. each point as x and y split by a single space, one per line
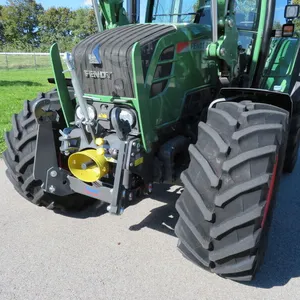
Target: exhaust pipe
133 10
98 15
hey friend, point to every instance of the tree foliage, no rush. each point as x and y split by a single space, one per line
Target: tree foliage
20 22
2 40
26 26
54 26
277 25
83 24
297 21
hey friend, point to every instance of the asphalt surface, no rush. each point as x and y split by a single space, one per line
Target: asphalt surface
93 255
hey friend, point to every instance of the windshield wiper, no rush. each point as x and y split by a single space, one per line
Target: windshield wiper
168 15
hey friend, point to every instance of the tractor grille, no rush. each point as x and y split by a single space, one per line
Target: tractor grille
103 61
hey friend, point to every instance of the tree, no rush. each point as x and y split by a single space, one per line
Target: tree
1 27
25 26
20 22
55 27
83 24
66 27
297 22
277 25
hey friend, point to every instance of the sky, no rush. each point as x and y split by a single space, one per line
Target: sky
280 5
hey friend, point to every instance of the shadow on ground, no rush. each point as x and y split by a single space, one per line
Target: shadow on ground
282 261
95 210
163 218
18 83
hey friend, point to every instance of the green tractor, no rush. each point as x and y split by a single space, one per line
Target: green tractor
204 94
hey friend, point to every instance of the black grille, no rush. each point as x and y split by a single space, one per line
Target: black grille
115 52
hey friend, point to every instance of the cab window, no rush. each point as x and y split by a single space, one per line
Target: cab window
247 16
184 11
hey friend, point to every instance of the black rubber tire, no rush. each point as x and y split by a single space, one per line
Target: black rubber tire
19 158
292 152
230 183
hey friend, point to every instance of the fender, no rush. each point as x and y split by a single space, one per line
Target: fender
281 100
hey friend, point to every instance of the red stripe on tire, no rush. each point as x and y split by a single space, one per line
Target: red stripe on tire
270 193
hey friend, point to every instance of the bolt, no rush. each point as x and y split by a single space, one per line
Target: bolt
230 23
223 52
134 144
99 142
150 188
53 174
114 153
130 197
132 154
131 165
52 189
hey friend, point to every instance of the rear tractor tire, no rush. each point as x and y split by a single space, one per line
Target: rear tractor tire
19 158
230 186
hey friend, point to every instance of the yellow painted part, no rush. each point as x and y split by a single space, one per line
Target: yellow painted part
93 173
139 162
103 116
99 142
100 151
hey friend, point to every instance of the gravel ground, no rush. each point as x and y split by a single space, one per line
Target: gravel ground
93 255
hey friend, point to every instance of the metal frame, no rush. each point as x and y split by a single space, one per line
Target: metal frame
133 11
214 18
98 15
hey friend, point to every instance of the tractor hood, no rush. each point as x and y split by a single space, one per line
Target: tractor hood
103 61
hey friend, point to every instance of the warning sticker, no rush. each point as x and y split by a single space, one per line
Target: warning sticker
139 162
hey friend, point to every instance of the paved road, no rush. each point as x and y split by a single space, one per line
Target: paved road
93 255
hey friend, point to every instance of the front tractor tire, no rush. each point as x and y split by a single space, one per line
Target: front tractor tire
230 186
19 157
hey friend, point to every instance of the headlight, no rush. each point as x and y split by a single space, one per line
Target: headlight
127 115
91 112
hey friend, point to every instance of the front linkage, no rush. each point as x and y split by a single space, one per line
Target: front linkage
121 183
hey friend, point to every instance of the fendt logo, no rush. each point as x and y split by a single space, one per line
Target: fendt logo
94 57
98 74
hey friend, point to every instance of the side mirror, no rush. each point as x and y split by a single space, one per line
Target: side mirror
291 11
288 30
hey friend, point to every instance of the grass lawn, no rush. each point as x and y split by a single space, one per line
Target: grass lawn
15 87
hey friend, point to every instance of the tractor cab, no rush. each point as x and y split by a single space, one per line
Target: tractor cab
247 24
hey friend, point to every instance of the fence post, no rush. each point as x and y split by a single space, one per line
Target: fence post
35 61
6 59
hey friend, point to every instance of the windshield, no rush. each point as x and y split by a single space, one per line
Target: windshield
181 11
198 11
247 14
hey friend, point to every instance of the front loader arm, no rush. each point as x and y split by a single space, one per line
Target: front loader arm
113 13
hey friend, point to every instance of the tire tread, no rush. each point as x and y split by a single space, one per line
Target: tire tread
236 169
